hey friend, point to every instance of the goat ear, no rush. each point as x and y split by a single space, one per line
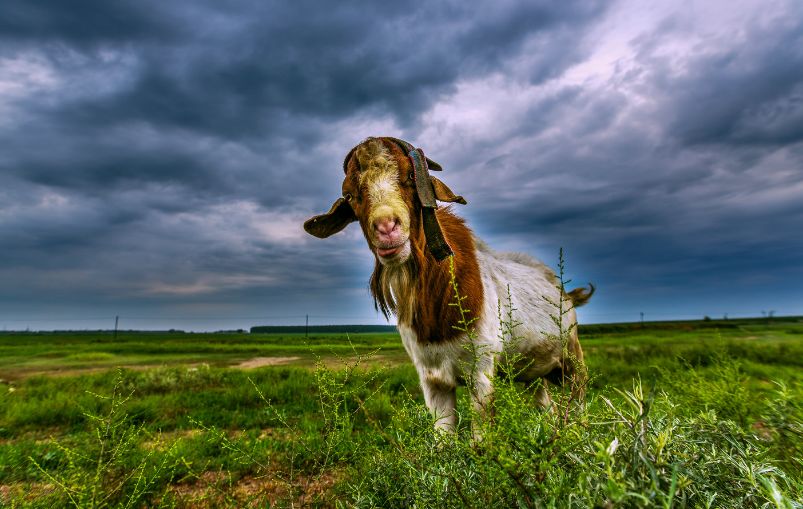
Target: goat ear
443 193
432 165
338 217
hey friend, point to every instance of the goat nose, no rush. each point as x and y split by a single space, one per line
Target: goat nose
385 226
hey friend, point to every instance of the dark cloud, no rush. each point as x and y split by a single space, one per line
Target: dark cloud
159 158
263 70
686 200
81 23
748 93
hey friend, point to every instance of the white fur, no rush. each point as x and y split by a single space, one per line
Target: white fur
382 186
441 366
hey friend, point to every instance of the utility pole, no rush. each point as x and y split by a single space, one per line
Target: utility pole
306 328
116 321
642 319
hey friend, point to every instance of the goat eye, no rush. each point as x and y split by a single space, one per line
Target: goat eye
347 196
410 176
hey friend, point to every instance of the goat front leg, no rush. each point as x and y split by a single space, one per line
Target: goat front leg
441 400
482 396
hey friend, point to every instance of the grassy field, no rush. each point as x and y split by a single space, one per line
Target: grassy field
65 353
678 414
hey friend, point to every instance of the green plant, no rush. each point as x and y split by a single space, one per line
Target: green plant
111 471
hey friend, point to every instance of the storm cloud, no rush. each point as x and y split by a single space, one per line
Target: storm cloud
157 160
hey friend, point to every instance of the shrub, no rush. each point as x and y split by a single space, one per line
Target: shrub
635 448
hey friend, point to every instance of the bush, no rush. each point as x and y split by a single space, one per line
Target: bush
636 448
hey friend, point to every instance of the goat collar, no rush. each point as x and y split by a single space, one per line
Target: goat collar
436 243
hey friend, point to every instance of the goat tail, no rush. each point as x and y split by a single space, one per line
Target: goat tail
580 296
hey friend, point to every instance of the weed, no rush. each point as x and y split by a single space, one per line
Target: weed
111 470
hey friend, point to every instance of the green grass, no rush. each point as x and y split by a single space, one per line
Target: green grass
178 426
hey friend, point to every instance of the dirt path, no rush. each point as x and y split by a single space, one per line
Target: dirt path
258 362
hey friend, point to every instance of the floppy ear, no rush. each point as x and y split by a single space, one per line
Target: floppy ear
443 193
338 217
432 165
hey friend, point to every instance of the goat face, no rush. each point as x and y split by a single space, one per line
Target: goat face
379 191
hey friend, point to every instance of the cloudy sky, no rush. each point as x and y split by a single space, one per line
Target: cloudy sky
157 158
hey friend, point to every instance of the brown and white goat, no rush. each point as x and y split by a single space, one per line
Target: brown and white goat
388 189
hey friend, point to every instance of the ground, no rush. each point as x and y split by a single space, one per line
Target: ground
210 420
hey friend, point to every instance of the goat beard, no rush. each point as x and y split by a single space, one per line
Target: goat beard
393 287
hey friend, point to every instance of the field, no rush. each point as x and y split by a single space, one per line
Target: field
677 414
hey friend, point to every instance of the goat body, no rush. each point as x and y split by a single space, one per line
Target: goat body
442 353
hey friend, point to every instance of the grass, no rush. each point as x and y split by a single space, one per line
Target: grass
678 414
24 354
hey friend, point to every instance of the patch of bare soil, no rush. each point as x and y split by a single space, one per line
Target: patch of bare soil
17 493
258 362
218 489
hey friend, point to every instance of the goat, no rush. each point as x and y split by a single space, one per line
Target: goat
389 191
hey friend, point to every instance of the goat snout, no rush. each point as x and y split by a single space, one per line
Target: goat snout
387 231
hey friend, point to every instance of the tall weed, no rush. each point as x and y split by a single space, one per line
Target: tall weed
111 470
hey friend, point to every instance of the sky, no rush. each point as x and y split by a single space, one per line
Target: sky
157 159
